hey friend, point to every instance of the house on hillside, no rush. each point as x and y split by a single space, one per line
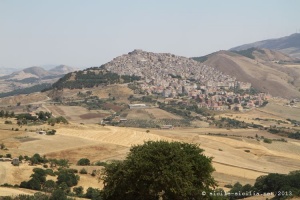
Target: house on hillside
133 106
166 127
15 162
42 132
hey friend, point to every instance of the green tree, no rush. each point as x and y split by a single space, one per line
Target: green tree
68 177
94 194
34 184
39 174
84 162
180 170
58 195
78 190
49 186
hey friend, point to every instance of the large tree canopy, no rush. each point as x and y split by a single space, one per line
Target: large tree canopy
176 170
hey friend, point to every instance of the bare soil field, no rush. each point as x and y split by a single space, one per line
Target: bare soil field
115 108
102 152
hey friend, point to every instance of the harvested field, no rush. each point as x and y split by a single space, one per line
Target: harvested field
77 114
155 123
24 99
278 109
101 152
101 143
15 191
231 159
113 135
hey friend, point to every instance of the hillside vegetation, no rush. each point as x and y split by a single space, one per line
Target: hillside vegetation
92 77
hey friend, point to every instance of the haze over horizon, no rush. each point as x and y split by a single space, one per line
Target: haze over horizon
90 33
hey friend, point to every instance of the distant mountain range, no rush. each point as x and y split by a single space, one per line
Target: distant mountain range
38 73
5 71
289 45
32 76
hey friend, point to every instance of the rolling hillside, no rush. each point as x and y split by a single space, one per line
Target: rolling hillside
268 71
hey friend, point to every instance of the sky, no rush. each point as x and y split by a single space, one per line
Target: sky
86 33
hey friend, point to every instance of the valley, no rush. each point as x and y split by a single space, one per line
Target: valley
239 155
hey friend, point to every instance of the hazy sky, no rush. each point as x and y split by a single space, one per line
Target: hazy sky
89 33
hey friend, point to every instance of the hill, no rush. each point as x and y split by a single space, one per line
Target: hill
29 78
268 71
62 69
137 65
37 71
289 45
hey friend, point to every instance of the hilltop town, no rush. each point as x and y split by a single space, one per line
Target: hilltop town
174 77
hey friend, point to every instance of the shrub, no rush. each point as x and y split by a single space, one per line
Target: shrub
94 173
8 155
78 190
92 193
51 132
247 150
83 171
8 122
21 158
267 140
99 163
74 170
83 162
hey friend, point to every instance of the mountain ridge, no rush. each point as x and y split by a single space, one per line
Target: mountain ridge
289 45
